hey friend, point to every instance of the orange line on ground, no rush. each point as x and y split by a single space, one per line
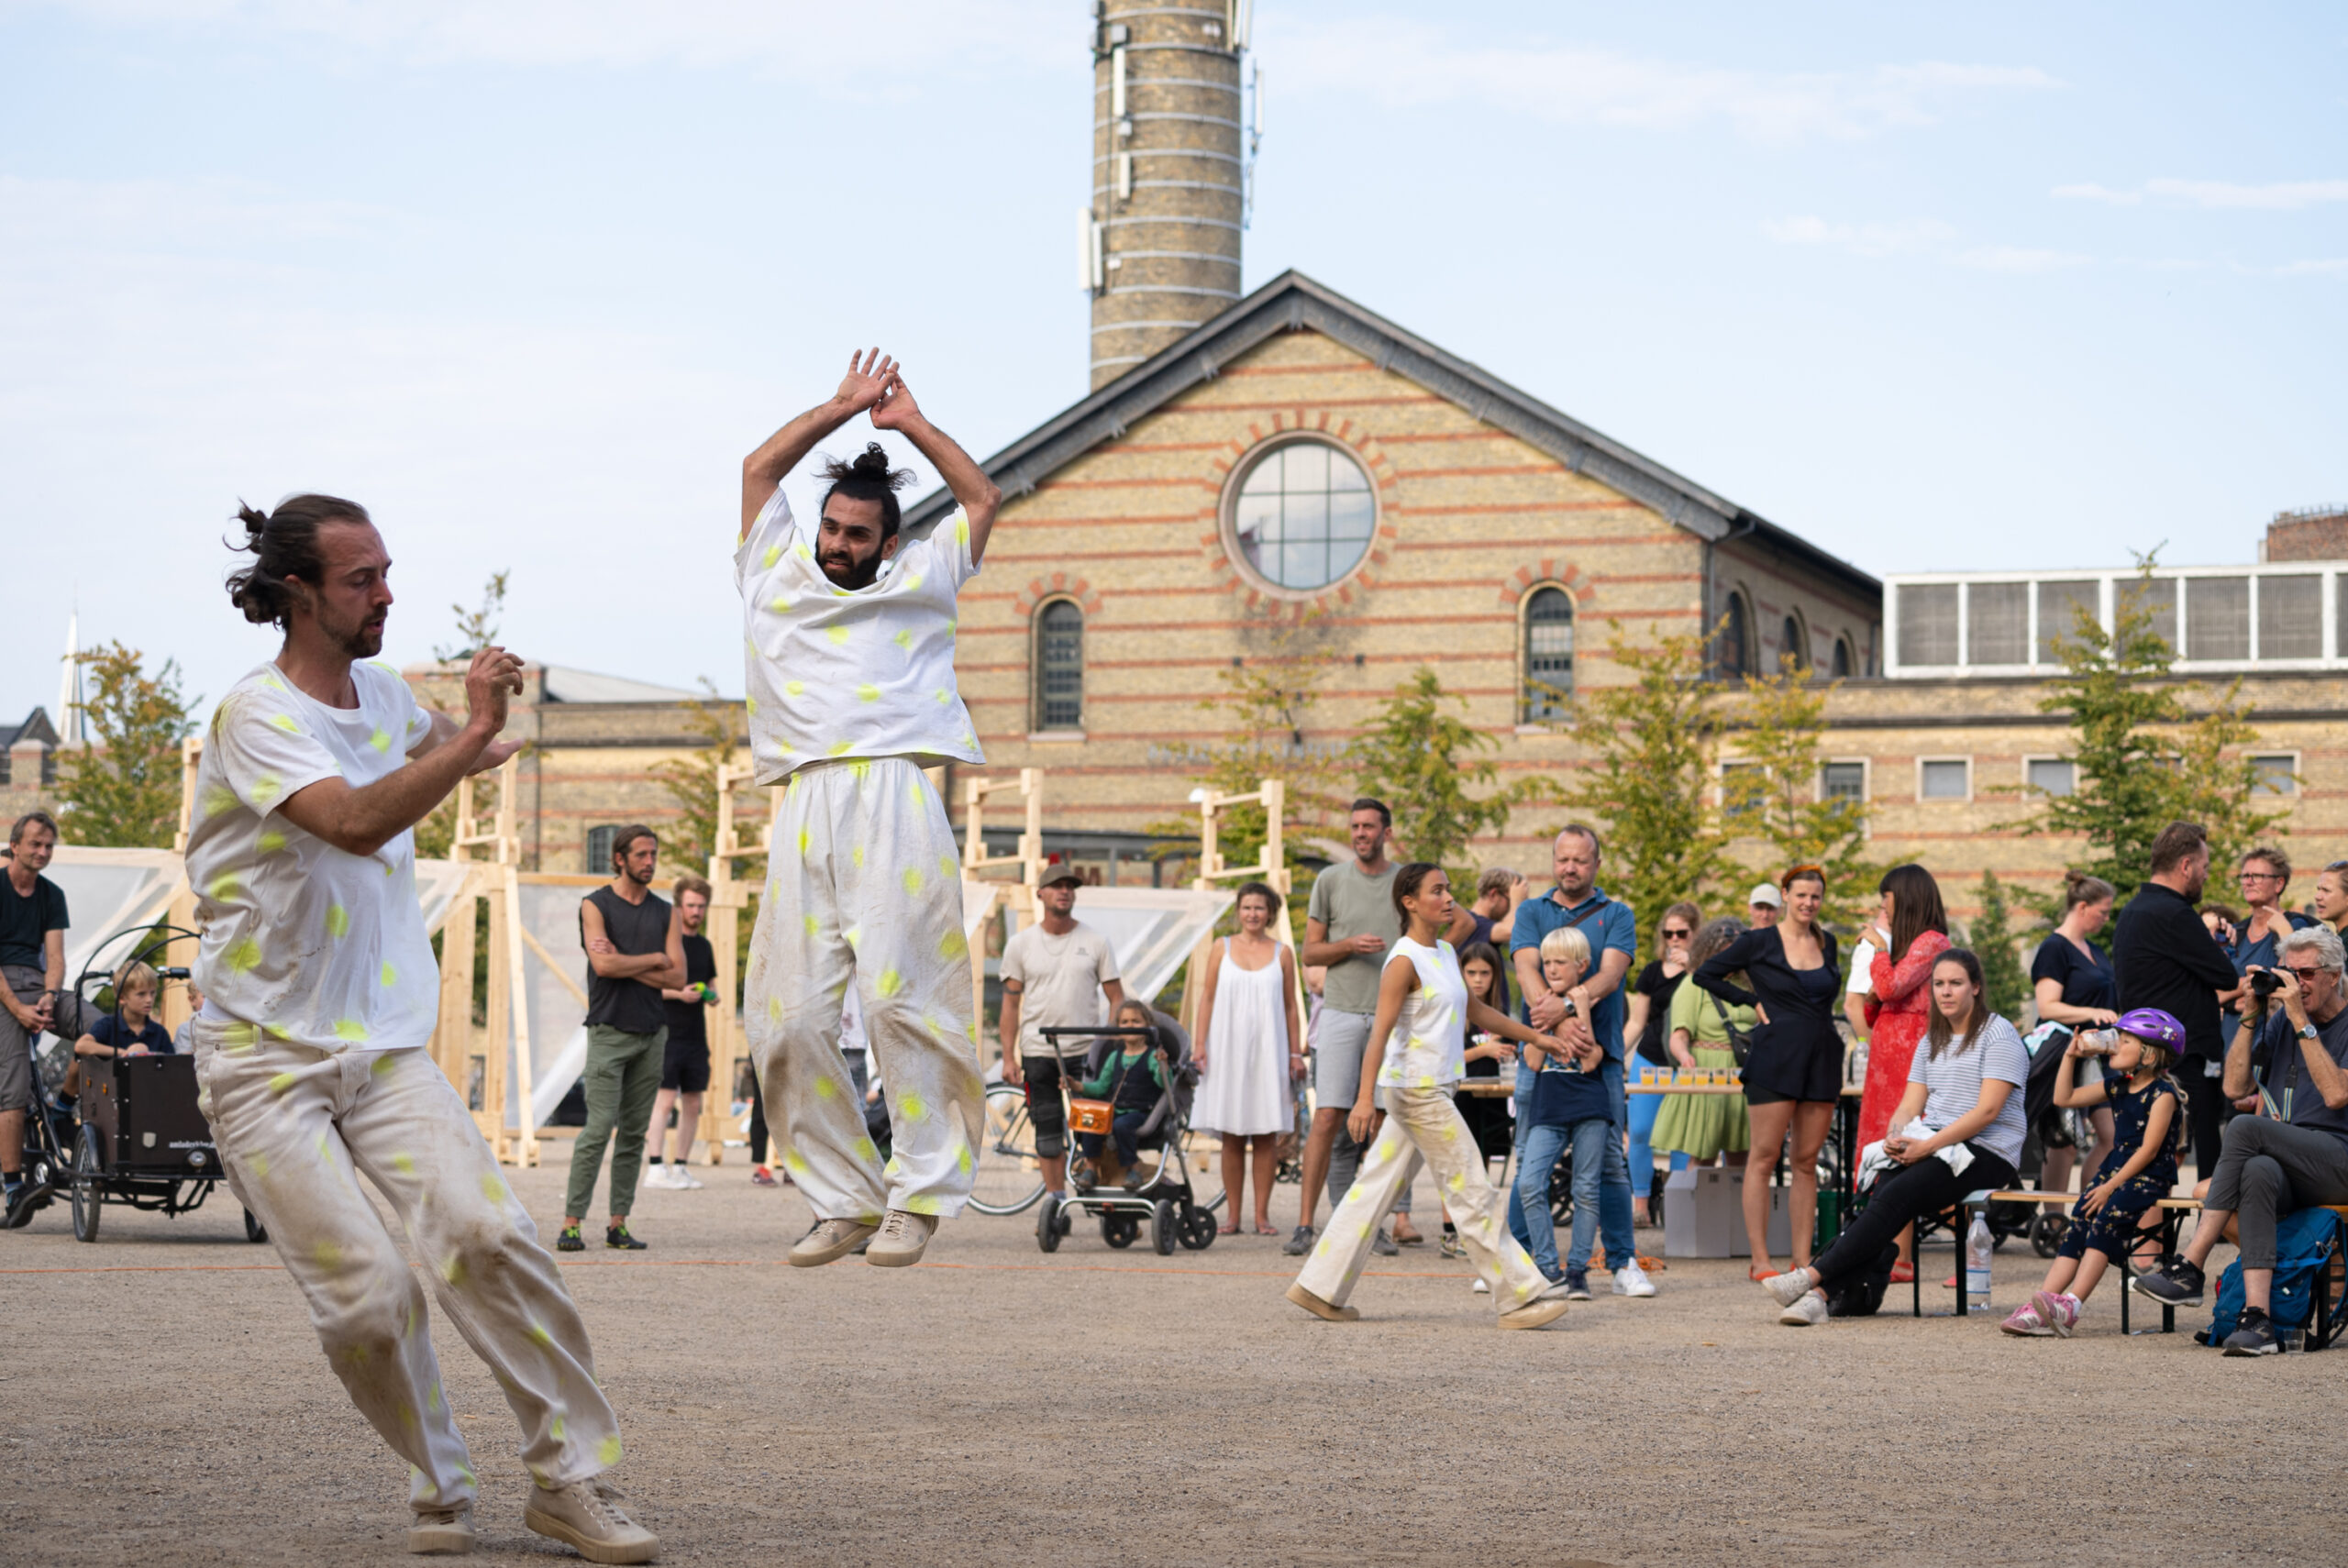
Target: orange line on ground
746 1262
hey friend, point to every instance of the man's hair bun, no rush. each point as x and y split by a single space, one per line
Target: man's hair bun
868 478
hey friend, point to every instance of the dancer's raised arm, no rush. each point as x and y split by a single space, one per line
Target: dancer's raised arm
975 494
867 377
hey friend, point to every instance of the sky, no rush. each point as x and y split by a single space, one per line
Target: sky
2009 287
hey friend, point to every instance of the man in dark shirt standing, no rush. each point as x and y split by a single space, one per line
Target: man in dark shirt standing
32 968
685 1072
636 947
2163 956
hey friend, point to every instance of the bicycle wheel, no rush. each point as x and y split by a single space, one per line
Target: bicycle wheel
1010 1178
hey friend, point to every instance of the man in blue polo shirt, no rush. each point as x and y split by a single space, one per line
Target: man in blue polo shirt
1594 1006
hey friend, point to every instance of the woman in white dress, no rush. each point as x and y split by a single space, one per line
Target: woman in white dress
1251 1051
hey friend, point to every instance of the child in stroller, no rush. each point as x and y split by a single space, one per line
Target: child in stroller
1134 1080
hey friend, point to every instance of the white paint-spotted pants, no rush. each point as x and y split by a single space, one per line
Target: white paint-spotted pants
864 888
1423 1127
296 1127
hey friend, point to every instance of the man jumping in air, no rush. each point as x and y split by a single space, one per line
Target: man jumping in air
850 628
320 995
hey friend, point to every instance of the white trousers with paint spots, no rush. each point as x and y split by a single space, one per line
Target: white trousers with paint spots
296 1128
864 888
1424 1127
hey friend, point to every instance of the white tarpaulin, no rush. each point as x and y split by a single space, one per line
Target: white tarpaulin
1151 930
107 890
437 884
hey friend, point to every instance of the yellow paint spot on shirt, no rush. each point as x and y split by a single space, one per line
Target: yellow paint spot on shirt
859 771
868 692
222 888
913 879
492 1188
269 841
805 838
962 531
855 853
751 705
962 1159
774 553
281 1083
265 788
911 1106
381 740
814 927
285 722
540 1338
794 1161
954 945
837 748
780 604
796 688
774 1008
404 1163
1458 1181
349 1029
838 635
826 1089
888 984
218 797
385 1063
904 640
337 921
852 935
391 977
866 1149
943 695
328 1255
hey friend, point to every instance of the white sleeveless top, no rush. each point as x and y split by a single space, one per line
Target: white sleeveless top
1429 1047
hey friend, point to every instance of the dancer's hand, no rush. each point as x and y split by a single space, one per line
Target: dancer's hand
494 675
867 377
896 408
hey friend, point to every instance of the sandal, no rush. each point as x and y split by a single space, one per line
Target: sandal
1758 1275
1652 1265
1267 1229
1903 1273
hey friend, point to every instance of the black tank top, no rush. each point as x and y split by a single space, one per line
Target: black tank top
634 929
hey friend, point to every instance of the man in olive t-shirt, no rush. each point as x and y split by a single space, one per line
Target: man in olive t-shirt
1351 926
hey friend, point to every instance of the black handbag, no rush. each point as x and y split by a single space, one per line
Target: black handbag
1740 1042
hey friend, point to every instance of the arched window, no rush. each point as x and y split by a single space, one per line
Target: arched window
1794 642
1842 669
1548 654
1060 666
1734 657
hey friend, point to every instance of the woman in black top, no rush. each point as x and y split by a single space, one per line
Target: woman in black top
1645 1026
1795 1071
2071 981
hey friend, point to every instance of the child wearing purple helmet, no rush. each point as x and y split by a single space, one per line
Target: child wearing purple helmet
2138 1173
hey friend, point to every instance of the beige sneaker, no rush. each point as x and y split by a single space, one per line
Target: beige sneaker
441 1532
1538 1313
1320 1308
586 1516
903 1237
830 1241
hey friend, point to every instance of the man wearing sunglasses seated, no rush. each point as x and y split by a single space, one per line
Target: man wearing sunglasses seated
2292 1155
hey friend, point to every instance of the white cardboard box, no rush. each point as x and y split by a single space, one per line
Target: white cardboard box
1703 1216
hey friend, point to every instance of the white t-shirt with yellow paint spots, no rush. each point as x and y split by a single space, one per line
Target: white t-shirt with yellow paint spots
1429 1047
319 947
867 672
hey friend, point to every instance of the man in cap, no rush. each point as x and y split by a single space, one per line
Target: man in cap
1056 973
1765 906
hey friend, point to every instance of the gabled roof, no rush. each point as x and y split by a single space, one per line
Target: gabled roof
35 727
1293 301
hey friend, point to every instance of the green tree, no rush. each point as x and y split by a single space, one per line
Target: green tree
1426 763
123 789
2141 758
476 629
1647 749
1267 703
1770 791
691 780
1994 943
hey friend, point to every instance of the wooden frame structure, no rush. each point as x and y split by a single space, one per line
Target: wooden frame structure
1271 869
728 897
1019 895
498 881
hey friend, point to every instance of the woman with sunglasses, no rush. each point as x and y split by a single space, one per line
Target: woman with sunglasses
1646 1022
1793 1073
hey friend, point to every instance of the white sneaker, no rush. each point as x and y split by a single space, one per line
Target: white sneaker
682 1179
441 1532
1789 1287
1806 1313
586 1515
1480 1288
1631 1280
658 1175
900 1240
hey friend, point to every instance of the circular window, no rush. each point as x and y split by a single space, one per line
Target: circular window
1303 515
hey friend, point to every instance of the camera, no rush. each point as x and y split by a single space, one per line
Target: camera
2265 984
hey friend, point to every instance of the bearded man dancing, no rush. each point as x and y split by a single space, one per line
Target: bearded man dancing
850 628
320 992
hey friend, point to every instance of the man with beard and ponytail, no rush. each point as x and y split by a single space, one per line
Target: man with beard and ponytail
319 999
851 694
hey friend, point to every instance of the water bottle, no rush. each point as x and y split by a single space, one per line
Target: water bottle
1978 1247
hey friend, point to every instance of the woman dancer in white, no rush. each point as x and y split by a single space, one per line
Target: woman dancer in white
1423 1003
1251 1052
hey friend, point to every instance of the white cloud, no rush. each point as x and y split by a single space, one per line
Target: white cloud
2018 259
1416 65
2280 196
851 51
2093 193
2313 267
1871 239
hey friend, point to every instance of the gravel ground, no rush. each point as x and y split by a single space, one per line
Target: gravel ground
167 1403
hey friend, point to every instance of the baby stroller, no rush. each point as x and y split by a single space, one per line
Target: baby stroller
1164 1199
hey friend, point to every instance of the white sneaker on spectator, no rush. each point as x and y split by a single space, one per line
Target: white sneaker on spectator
655 1175
1806 1313
682 1179
1631 1280
1789 1287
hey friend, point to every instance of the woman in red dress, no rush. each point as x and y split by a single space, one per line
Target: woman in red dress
1910 934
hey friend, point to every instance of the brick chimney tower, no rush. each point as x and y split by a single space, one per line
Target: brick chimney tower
1159 244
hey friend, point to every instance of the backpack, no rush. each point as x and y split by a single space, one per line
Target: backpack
1861 1295
2306 1242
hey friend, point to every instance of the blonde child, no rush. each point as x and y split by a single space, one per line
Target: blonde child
130 1029
2138 1173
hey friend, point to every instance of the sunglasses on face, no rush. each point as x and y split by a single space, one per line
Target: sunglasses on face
1671 936
2304 976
